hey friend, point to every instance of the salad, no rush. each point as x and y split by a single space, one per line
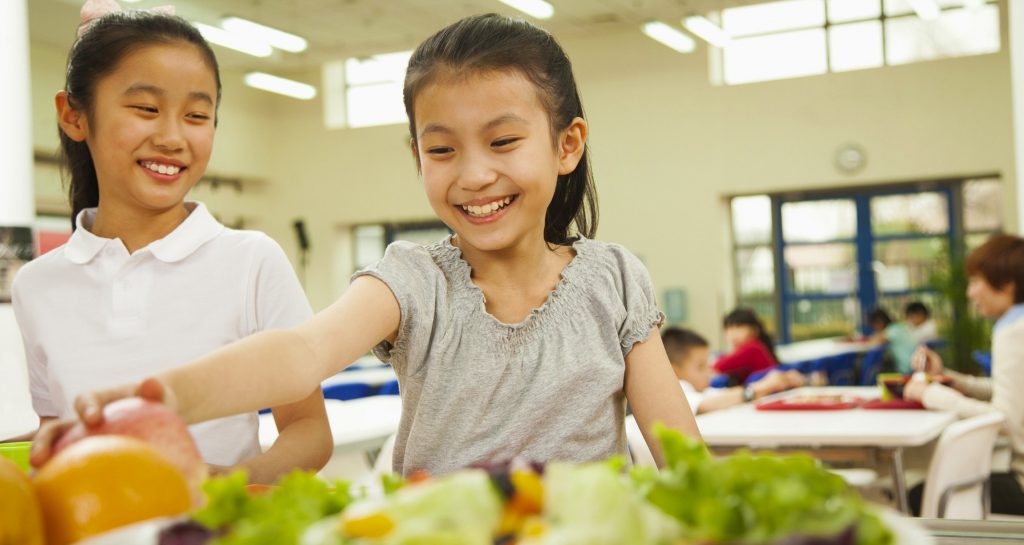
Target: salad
743 499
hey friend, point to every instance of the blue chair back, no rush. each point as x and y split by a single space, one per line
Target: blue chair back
719 381
984 359
388 389
840 369
347 391
756 376
871 365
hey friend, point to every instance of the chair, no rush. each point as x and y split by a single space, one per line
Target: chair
758 375
803 367
637 444
383 458
871 365
957 484
389 388
347 390
840 369
719 381
984 359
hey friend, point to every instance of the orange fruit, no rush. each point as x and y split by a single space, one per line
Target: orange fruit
20 519
103 482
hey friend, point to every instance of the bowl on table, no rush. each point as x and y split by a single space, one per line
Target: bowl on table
892 385
17 452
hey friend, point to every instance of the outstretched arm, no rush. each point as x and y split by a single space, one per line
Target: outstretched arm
654 393
280 367
268 369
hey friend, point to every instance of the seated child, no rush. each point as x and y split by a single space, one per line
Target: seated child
752 347
920 323
899 337
688 353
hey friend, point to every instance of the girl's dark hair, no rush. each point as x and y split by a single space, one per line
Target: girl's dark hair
745 316
97 53
485 43
880 316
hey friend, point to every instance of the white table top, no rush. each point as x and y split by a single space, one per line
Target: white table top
357 425
821 348
374 376
745 426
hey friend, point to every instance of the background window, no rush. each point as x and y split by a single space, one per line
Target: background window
837 255
364 92
370 241
793 38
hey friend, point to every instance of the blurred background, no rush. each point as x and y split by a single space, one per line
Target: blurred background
812 159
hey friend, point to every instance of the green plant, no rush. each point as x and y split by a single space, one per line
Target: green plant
965 331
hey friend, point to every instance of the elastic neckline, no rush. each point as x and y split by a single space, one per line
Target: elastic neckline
569 278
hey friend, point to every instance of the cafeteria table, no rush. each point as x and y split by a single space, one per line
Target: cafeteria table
357 426
820 348
828 433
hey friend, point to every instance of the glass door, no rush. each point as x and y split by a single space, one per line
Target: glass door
843 255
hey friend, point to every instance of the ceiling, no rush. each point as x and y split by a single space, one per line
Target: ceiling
337 29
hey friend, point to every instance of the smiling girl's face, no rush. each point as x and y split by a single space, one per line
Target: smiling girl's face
485 150
151 126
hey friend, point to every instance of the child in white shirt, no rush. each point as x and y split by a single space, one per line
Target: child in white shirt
688 353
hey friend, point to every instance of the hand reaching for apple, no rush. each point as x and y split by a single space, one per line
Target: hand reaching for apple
90 409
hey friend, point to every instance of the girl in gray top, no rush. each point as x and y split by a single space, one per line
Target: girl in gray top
516 336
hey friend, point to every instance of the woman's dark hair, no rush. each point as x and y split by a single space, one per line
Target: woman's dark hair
1000 260
487 43
745 316
97 53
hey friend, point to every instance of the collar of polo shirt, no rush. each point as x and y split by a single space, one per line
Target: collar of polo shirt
198 228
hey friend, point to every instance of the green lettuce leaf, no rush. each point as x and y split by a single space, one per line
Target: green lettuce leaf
278 517
753 498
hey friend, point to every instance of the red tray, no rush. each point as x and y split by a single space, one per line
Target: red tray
797 405
892 404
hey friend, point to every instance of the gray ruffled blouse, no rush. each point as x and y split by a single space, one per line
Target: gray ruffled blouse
476 390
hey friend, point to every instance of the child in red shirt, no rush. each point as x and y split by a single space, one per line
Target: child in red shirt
751 346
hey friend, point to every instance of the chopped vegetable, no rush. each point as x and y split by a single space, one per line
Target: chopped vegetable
277 517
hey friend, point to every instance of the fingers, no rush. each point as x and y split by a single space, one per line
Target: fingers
90 406
153 390
46 437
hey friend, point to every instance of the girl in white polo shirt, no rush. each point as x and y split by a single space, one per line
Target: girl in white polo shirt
147 280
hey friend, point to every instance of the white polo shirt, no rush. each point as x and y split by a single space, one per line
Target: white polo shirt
92 316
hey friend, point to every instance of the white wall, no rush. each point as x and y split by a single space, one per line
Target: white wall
667 148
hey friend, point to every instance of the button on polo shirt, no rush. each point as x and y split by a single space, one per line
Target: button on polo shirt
94 316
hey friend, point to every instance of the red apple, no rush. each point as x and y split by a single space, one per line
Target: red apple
154 423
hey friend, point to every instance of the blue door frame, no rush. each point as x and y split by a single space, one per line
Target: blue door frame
867 290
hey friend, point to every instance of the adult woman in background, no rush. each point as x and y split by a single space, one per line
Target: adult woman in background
996 287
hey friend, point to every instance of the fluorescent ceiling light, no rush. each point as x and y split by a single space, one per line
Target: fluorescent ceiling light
281 86
231 40
534 8
704 29
925 9
973 4
666 35
257 32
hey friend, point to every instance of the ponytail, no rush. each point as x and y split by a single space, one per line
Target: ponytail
78 168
